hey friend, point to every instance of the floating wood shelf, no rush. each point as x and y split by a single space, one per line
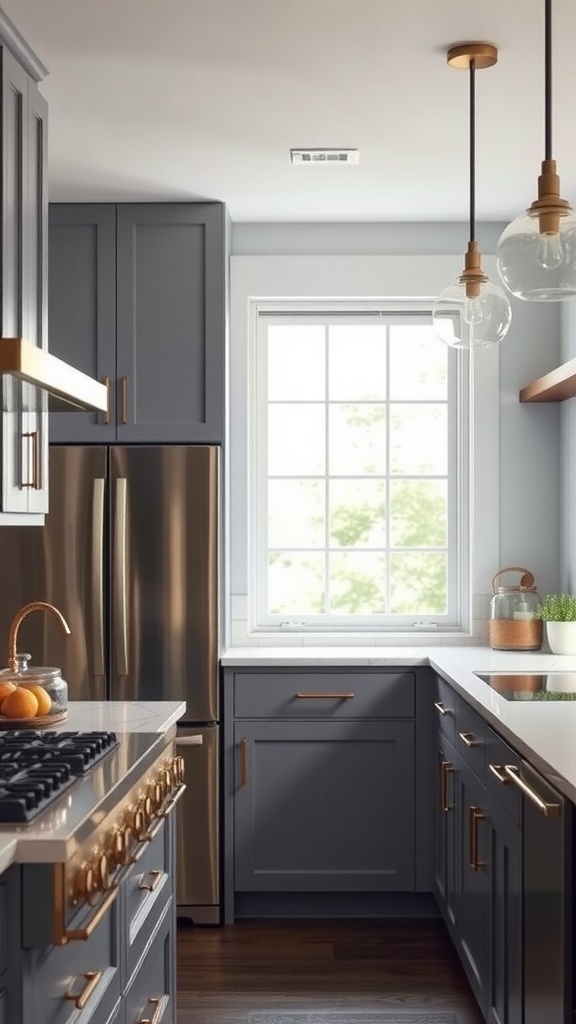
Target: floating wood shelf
556 386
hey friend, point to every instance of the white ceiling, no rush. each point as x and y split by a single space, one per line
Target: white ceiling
180 99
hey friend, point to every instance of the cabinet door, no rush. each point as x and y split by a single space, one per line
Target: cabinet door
82 309
445 829
505 991
472 879
324 806
171 317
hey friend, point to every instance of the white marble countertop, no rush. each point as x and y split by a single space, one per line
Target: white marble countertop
542 731
48 838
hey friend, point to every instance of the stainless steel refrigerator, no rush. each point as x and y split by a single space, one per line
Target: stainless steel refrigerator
129 554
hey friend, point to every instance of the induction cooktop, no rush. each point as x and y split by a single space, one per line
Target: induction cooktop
533 686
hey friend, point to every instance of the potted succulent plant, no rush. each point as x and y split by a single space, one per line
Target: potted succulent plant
558 611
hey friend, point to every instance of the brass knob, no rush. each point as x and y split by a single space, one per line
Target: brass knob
156 794
180 771
139 823
147 809
167 779
102 872
85 887
117 847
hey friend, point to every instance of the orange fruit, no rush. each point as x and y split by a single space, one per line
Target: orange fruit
6 687
43 698
20 704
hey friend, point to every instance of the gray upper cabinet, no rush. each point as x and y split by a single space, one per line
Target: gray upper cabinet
24 420
138 299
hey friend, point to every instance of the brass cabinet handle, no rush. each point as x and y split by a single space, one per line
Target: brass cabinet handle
498 771
326 696
156 877
124 399
170 805
469 739
36 468
244 761
106 415
475 815
441 708
100 912
548 810
92 979
159 1002
445 769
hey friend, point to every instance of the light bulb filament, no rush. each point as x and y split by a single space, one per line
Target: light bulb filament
549 252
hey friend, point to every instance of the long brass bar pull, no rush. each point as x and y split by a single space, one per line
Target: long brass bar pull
475 816
446 768
547 809
159 1003
106 415
469 739
325 696
98 574
99 914
91 981
34 460
124 399
440 707
498 771
244 761
120 576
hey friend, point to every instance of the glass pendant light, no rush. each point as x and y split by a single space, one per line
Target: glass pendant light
473 312
537 251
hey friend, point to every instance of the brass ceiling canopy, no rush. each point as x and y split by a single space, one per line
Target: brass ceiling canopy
60 380
484 55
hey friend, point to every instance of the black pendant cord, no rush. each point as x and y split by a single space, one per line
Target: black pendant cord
472 149
548 79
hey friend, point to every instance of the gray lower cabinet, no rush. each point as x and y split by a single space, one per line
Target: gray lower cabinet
138 299
324 806
478 859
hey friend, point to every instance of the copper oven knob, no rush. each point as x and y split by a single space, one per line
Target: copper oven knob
156 794
147 809
179 768
138 823
102 873
85 884
168 779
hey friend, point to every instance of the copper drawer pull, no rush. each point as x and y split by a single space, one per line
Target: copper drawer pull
124 399
92 979
475 815
36 469
498 771
244 761
469 739
548 810
159 1002
446 768
156 877
171 804
100 913
326 696
440 707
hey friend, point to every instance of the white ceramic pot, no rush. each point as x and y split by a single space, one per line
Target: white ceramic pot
561 637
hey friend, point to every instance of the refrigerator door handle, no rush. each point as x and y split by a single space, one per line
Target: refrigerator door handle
98 574
120 599
189 741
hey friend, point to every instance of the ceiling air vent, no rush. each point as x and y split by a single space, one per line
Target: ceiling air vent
324 156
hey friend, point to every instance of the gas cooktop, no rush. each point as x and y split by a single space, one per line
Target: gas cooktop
37 767
532 686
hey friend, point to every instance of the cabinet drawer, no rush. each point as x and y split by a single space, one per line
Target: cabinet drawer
445 707
78 982
151 991
144 894
324 695
470 739
499 754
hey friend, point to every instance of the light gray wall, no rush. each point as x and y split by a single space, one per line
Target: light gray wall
529 434
568 457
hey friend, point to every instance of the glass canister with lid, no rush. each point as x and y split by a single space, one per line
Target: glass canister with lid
513 623
47 686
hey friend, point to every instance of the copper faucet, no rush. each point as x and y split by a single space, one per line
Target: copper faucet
34 606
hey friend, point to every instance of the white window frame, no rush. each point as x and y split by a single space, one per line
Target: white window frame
264 313
269 278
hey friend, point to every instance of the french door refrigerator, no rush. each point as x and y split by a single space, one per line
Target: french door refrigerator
129 555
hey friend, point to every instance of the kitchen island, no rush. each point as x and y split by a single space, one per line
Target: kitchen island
87 912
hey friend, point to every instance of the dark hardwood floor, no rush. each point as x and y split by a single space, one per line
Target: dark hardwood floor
225 974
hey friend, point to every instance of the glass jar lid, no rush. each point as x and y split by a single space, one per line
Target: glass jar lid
29 673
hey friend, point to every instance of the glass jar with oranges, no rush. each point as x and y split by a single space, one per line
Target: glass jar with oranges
32 694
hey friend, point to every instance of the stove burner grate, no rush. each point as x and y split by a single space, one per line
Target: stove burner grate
37 767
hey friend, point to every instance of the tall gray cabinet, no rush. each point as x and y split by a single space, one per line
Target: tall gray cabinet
137 298
24 420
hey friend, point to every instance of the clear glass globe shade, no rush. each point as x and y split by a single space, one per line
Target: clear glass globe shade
461 322
541 268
